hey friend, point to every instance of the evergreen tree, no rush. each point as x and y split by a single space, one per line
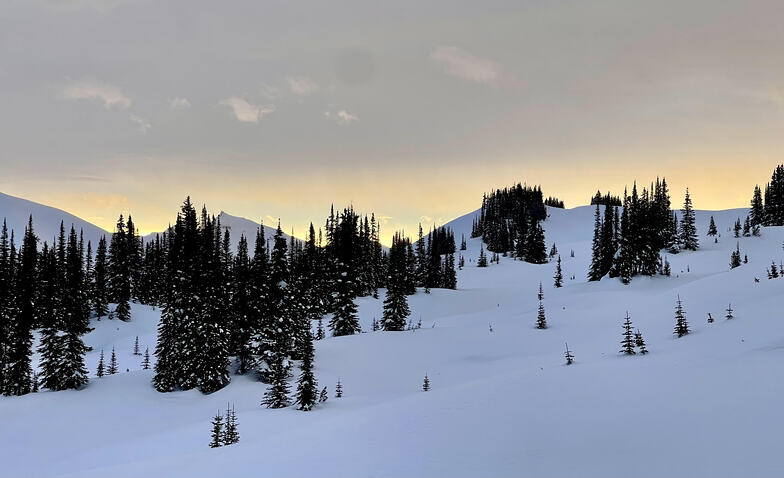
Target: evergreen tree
535 245
245 320
320 330
217 431
7 308
120 271
747 227
737 228
541 320
729 315
595 272
688 232
339 390
712 227
277 395
101 371
681 325
774 273
558 274
482 261
640 342
113 366
18 372
396 309
569 356
627 344
757 211
426 384
324 396
49 309
136 346
231 434
735 257
146 361
100 298
307 386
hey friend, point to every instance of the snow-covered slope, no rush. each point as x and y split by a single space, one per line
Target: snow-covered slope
502 404
46 220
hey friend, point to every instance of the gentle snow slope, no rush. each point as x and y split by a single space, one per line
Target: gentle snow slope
502 403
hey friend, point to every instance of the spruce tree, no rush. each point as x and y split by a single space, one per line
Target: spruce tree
339 390
737 228
49 309
320 330
231 434
146 361
101 371
735 257
712 231
595 272
541 320
681 324
7 309
19 369
136 346
640 342
627 344
120 271
396 309
100 298
113 366
482 261
729 315
757 211
558 274
569 356
426 384
277 395
217 431
307 386
689 240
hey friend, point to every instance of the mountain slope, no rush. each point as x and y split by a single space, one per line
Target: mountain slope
46 220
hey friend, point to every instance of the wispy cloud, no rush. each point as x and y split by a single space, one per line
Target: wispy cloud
247 112
341 117
179 103
109 95
301 85
462 64
143 124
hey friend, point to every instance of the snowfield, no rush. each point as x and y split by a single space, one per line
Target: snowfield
502 404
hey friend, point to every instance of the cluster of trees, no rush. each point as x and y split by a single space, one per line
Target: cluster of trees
770 210
255 304
606 200
629 243
509 223
554 202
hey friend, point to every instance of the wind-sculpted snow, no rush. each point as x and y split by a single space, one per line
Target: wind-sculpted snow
502 404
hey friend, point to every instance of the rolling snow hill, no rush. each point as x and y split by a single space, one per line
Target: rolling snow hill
502 404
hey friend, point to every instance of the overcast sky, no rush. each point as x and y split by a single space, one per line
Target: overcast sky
270 109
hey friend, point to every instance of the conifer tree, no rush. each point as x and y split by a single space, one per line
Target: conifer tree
737 228
640 342
735 257
146 361
774 273
426 384
535 245
396 309
757 211
712 231
50 310
324 396
113 366
231 434
18 369
729 315
689 240
7 309
595 272
339 390
569 356
277 395
120 271
136 346
307 386
681 324
217 431
100 298
482 261
710 318
627 344
541 320
101 371
558 274
747 227
245 319
320 330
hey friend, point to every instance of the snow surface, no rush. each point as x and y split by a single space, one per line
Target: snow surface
502 403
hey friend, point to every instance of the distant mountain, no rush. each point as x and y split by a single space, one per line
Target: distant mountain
46 220
237 227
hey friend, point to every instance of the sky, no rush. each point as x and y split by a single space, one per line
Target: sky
408 109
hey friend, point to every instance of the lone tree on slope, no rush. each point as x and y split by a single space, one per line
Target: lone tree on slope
541 319
627 344
681 324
